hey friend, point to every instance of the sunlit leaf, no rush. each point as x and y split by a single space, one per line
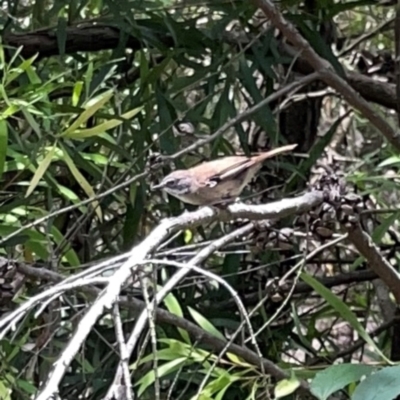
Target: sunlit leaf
90 110
162 370
105 126
174 307
41 170
285 387
205 324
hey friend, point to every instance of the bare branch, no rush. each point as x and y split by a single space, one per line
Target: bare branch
138 255
327 73
364 244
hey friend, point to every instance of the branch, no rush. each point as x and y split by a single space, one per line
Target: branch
366 247
77 38
109 296
88 38
204 338
326 70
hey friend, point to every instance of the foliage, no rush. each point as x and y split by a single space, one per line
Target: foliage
82 124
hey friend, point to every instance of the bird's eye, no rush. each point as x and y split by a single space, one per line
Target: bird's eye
170 183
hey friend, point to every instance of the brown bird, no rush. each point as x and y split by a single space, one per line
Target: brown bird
216 181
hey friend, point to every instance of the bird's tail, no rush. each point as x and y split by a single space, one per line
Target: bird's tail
274 152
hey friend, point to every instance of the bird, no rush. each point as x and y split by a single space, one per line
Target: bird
218 181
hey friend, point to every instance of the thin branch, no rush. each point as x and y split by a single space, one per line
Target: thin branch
139 253
327 73
366 247
74 206
124 357
397 57
142 320
291 88
363 38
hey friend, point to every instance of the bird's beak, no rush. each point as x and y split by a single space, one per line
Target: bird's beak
159 186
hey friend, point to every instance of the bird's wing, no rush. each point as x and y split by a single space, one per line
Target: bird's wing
217 170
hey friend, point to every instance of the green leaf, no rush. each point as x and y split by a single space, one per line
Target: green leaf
91 108
76 92
285 387
83 183
36 242
162 370
342 308
384 384
31 120
69 253
174 307
337 377
16 72
42 168
205 324
26 386
105 126
5 390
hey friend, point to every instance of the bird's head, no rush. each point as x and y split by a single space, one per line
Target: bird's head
177 183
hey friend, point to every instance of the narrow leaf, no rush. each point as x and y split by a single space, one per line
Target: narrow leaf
93 106
76 93
83 183
205 324
105 126
342 308
42 168
174 307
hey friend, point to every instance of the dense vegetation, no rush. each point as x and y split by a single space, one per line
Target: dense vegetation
100 99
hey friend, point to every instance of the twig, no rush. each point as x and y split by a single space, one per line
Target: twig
109 296
365 245
379 28
327 74
292 87
175 279
124 357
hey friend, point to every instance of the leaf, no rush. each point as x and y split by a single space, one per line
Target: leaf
76 92
31 120
337 377
162 370
285 387
205 324
23 67
26 386
42 168
3 144
83 183
69 253
188 236
105 126
342 308
92 106
174 307
383 385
